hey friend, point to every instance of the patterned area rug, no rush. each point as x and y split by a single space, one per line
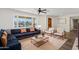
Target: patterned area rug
38 44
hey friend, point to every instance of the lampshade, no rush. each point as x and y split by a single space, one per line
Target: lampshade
38 26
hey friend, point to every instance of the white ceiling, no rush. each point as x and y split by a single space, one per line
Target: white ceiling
52 11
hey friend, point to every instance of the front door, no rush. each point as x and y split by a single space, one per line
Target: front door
49 22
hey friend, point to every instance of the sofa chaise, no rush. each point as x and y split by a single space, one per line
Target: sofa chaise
12 43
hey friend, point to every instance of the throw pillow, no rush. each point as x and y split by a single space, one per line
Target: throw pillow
32 29
23 30
4 39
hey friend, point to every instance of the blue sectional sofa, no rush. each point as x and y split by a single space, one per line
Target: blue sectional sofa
12 43
14 36
19 35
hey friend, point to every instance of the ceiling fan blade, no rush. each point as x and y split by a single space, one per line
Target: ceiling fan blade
43 10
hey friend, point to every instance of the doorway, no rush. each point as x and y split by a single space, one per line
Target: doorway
49 23
75 24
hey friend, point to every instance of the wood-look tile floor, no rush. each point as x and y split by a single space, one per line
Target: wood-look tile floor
68 45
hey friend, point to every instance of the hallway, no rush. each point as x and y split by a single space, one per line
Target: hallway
71 36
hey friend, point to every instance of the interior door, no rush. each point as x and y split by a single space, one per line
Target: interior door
49 22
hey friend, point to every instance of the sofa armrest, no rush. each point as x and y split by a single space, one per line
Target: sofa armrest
37 30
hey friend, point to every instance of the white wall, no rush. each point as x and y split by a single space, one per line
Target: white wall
55 21
42 21
64 22
59 22
6 17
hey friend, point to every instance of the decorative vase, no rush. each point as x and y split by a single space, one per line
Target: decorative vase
43 34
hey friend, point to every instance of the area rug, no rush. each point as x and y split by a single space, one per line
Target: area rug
39 43
52 44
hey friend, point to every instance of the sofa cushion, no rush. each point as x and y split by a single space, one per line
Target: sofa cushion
4 39
18 35
15 31
32 29
13 43
30 33
35 32
28 30
23 34
12 40
27 34
22 30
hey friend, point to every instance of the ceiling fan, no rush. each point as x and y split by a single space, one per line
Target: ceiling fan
40 10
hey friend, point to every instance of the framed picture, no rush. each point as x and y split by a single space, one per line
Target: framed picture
22 21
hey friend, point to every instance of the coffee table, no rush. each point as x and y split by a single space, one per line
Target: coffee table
39 41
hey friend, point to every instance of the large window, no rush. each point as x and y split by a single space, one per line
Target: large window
22 22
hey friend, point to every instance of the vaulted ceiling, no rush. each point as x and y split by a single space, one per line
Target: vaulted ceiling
51 11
